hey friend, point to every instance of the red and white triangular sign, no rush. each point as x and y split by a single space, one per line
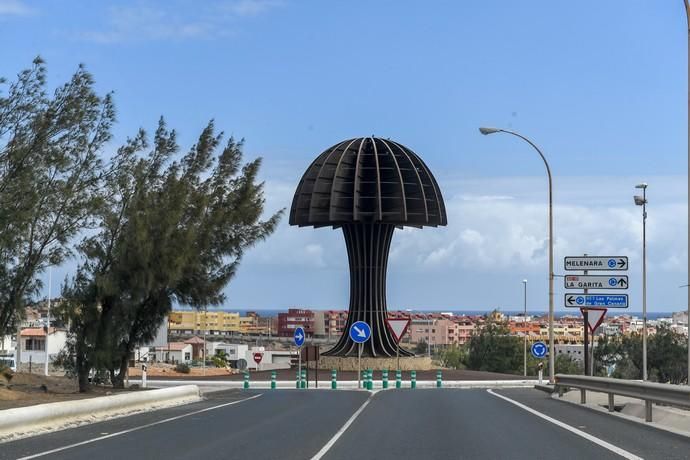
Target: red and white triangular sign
594 317
398 327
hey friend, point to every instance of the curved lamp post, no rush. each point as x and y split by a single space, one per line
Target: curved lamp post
487 131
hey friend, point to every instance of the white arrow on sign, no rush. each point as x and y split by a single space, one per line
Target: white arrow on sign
299 336
360 332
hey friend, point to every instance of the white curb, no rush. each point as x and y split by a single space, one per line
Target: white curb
28 421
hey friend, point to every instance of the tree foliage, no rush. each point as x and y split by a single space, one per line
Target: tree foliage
171 230
493 349
50 174
667 353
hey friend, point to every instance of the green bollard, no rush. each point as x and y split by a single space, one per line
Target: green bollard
384 378
246 380
273 380
303 383
370 380
334 379
297 379
413 379
398 379
439 379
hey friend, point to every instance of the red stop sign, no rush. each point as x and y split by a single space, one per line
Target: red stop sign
258 357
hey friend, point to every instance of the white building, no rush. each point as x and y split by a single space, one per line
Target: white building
574 351
233 351
173 352
32 344
8 345
270 359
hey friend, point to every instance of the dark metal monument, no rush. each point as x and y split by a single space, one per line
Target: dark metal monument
368 187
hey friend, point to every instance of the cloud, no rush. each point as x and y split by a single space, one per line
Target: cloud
173 21
492 232
14 8
250 7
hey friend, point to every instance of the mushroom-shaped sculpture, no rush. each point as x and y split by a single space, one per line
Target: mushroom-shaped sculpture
368 186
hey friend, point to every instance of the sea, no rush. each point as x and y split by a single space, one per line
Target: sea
557 314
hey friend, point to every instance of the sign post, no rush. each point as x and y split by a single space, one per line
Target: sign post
299 337
360 333
398 327
258 356
590 304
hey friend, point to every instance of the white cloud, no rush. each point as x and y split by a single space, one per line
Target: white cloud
165 22
489 231
14 8
250 7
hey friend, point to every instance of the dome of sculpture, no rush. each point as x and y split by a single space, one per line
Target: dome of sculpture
368 180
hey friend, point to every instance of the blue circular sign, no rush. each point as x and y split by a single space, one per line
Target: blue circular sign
299 336
613 281
360 332
612 263
539 349
579 300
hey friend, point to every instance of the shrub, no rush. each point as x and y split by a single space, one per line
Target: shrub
182 368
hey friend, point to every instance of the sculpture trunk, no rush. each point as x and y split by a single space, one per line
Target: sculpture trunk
368 245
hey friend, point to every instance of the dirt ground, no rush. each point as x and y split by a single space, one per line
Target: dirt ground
168 370
25 389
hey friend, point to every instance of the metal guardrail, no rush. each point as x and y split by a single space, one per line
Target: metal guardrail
661 393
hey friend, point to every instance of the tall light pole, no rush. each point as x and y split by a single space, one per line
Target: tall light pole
524 327
642 201
687 17
50 282
487 131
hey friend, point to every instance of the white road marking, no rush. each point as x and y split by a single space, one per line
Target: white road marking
137 428
616 450
343 429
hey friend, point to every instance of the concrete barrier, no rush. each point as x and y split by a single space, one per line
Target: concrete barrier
26 421
347 384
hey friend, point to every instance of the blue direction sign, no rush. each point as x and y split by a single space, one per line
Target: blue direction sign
539 349
360 332
299 336
597 300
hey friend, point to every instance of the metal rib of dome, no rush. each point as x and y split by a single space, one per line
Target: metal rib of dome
368 180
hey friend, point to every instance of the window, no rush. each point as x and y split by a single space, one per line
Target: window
187 356
35 345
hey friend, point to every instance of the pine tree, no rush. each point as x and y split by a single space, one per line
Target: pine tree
170 232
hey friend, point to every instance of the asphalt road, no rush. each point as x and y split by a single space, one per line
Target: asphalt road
397 424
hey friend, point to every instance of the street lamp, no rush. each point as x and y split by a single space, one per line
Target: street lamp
486 131
642 201
50 283
524 327
687 17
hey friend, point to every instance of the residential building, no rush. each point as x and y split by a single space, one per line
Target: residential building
32 344
287 322
173 352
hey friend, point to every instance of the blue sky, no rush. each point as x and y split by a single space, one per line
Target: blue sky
600 86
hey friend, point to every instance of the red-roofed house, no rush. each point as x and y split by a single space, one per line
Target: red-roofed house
32 344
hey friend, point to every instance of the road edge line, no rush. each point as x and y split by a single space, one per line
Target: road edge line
136 428
600 442
324 450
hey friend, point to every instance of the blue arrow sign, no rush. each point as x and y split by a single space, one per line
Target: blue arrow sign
597 300
360 332
539 349
299 336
